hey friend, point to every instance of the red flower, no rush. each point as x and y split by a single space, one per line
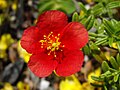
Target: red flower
55 44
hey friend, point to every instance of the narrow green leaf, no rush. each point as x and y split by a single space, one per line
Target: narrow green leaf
114 22
97 78
101 41
97 57
114 63
105 88
118 59
97 9
82 7
110 41
86 50
105 66
91 23
119 80
96 85
106 74
108 27
75 17
112 70
116 78
43 7
100 28
114 87
110 81
95 48
92 34
118 45
83 21
113 4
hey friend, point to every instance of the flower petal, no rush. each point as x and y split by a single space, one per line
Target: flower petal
30 40
41 64
74 36
71 63
52 20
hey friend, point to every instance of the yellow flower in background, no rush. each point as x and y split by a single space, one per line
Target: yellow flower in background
97 72
3 4
70 84
111 51
114 45
107 55
7 86
87 86
89 1
23 54
23 86
82 13
5 41
14 6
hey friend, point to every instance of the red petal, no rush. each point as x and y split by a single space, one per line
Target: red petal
74 36
30 40
52 20
41 64
70 64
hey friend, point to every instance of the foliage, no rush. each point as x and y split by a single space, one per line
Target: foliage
63 5
104 35
110 78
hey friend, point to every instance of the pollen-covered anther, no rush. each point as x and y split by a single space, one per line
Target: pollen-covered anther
51 43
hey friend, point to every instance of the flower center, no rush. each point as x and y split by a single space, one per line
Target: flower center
51 43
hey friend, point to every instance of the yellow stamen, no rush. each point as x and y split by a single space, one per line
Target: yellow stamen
51 43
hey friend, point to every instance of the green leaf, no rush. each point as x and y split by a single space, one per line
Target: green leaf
116 78
105 66
97 57
82 7
107 73
113 4
118 45
101 41
105 88
89 22
47 6
114 63
118 59
108 27
100 28
97 9
86 50
96 85
119 80
95 48
66 6
97 78
110 41
114 87
112 70
92 34
114 22
75 17
83 20
110 81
